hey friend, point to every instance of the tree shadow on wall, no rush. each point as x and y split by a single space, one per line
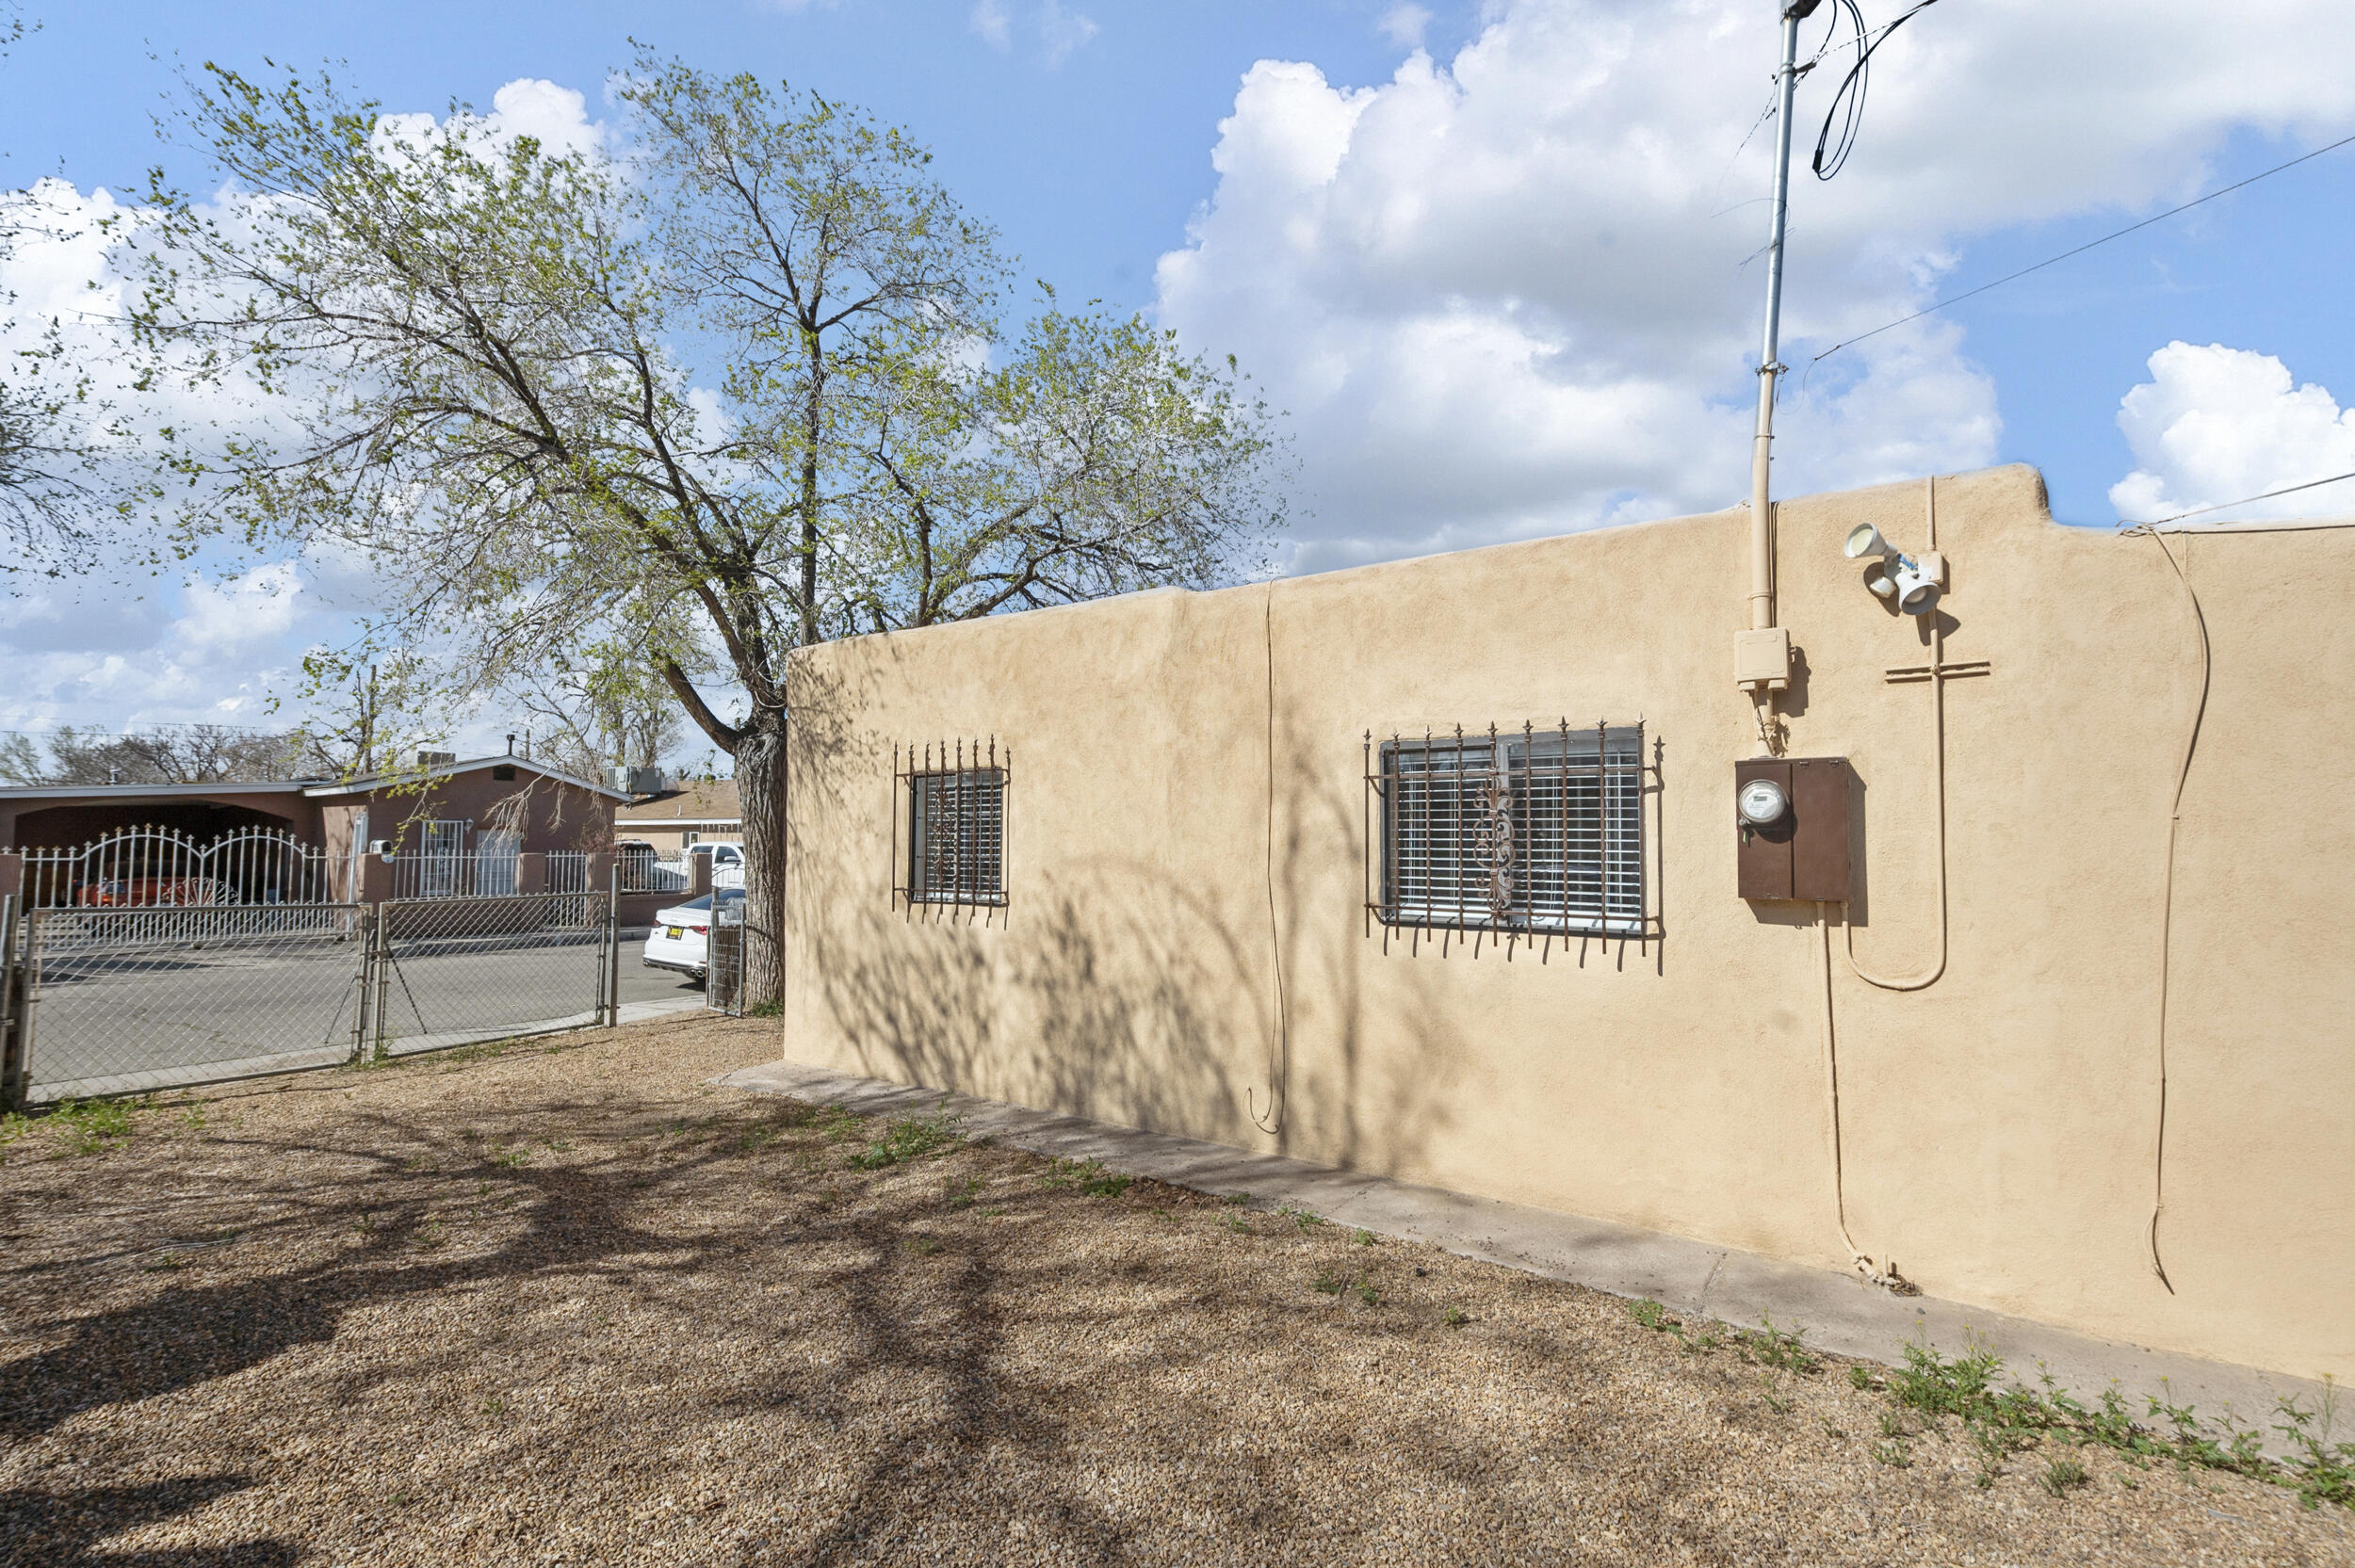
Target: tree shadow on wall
1133 998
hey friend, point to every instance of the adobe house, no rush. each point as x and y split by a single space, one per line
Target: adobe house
450 801
2026 976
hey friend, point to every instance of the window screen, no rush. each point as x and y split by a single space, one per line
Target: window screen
957 836
1538 831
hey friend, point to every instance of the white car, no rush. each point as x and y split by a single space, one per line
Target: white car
681 937
728 863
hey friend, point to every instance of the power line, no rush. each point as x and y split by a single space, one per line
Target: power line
2081 250
1851 89
2221 506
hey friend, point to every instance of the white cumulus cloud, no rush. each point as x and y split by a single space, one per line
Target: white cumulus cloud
993 23
1061 32
1404 25
2216 424
1517 291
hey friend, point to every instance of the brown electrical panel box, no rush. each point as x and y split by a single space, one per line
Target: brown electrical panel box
1804 855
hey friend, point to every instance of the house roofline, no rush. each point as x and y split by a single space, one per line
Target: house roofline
133 792
374 781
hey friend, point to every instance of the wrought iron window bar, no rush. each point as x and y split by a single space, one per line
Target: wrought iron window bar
949 802
1512 836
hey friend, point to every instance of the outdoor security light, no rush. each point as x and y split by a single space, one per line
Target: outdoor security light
1761 803
1915 583
1865 539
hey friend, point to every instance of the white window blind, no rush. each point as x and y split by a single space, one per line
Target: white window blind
1534 830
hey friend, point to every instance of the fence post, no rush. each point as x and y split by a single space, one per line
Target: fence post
366 981
11 1095
27 1003
612 998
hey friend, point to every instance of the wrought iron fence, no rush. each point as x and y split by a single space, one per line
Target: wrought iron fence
164 869
643 869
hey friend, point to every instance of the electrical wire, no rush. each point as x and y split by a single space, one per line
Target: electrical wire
2222 505
1280 1070
2079 250
1937 758
1847 100
1885 1277
2167 909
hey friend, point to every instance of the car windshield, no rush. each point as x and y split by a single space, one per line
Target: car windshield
704 902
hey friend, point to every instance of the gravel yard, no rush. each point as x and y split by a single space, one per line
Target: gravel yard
564 1303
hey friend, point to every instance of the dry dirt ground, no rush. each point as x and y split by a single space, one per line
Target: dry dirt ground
566 1303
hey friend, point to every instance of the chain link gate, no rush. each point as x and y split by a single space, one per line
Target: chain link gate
724 966
456 971
122 1001
103 1001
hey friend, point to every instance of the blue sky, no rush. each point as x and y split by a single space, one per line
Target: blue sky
1493 259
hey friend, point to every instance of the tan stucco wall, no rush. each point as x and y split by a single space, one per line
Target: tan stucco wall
1999 1127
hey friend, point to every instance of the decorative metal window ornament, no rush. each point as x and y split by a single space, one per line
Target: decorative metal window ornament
949 800
1518 834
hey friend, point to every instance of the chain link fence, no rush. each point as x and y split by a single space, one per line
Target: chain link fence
115 1001
123 1001
454 971
723 983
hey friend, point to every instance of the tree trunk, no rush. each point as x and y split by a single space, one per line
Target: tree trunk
760 785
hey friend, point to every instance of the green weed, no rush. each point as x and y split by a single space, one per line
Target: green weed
909 1138
1455 1318
92 1127
1088 1175
2061 1476
1300 1217
961 1193
1999 1420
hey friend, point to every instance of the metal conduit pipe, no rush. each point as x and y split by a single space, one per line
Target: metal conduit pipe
1762 596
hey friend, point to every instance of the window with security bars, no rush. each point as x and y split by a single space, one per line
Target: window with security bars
1534 831
955 828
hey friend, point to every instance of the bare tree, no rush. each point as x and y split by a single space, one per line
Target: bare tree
606 710
161 755
488 353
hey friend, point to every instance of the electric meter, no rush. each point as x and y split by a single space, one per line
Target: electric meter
1761 803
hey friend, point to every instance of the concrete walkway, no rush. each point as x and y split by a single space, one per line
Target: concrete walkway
1837 1312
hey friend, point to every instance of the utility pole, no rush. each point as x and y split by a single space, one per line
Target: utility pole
1762 654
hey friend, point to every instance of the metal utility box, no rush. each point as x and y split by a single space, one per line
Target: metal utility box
1804 855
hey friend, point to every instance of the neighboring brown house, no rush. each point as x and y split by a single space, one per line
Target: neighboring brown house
446 806
695 814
